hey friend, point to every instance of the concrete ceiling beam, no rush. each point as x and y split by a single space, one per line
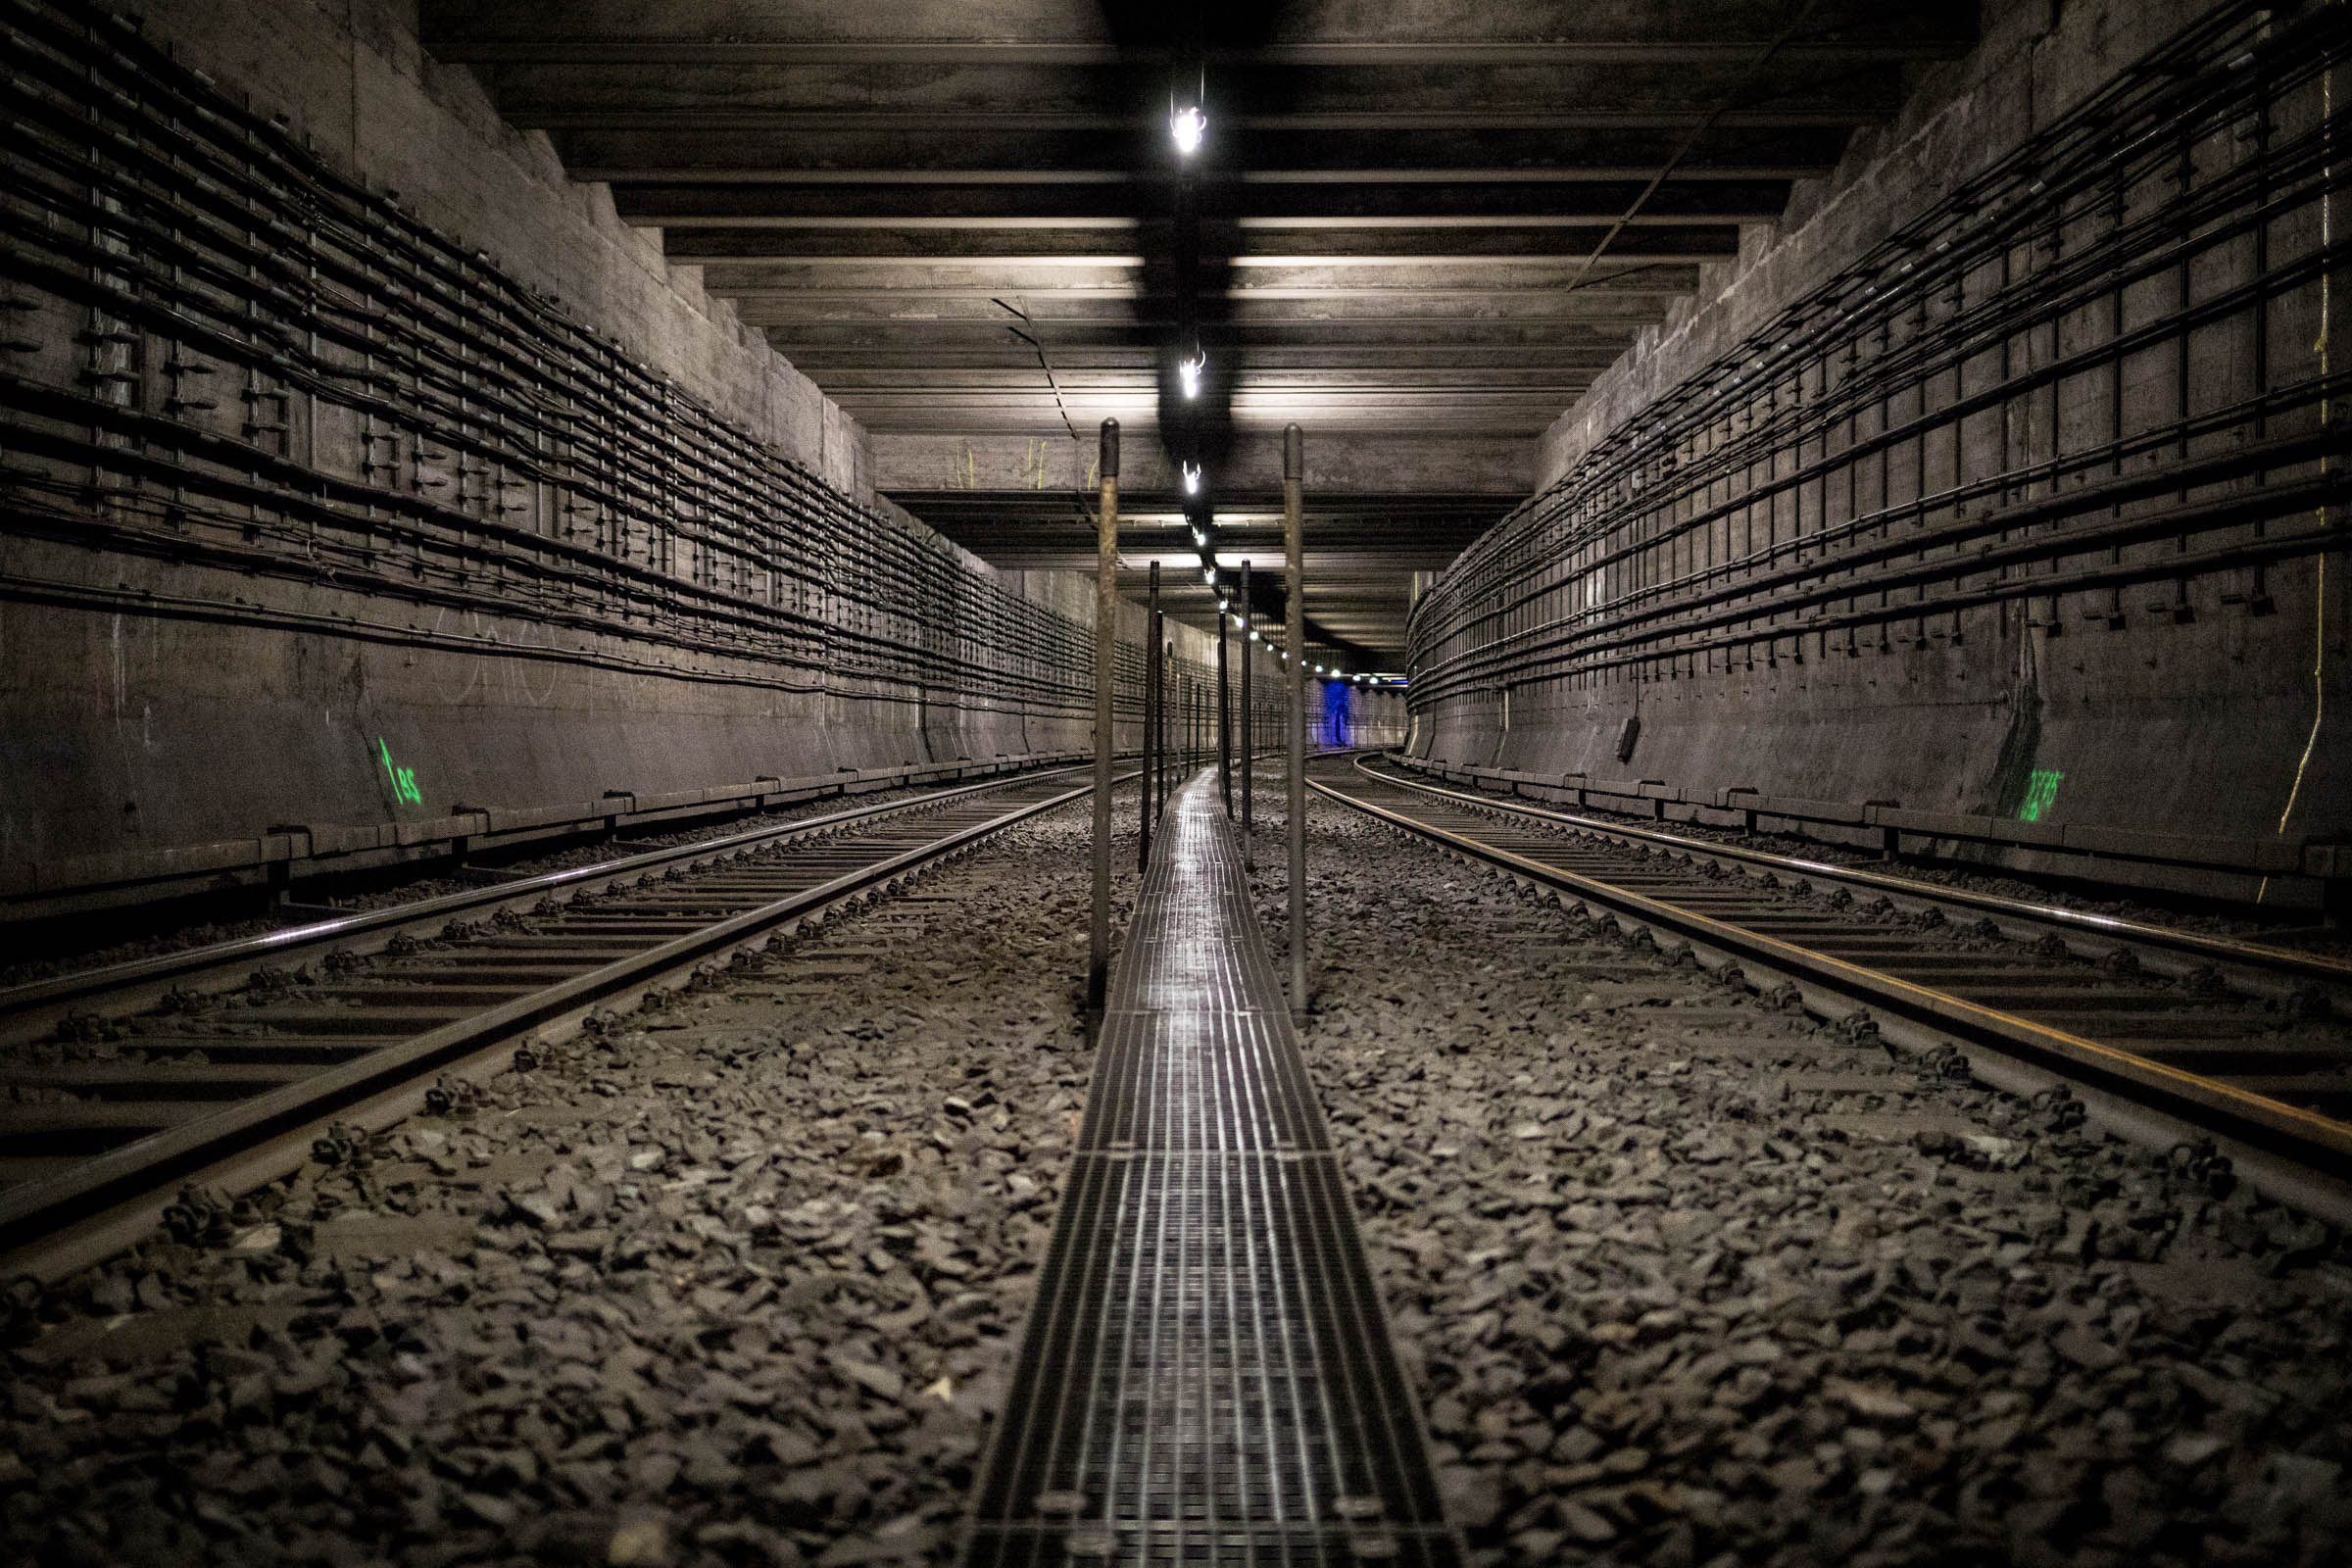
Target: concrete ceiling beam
1055 24
1428 204
1074 366
744 174
1350 274
1257 380
1397 463
1124 343
1240 100
575 49
1609 296
602 151
1256 245
730 119
1389 290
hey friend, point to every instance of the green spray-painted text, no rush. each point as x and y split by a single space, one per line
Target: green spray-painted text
404 779
2041 790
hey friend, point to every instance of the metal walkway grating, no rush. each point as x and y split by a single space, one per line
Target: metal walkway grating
1208 1375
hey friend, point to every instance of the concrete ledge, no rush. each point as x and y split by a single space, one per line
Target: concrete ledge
667 799
513 821
1628 788
1801 807
1964 825
438 828
2334 860
187 860
2270 857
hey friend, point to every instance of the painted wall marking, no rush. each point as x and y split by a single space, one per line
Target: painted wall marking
404 779
2041 789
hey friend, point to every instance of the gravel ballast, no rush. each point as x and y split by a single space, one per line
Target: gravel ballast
1690 1278
1683 1276
736 1278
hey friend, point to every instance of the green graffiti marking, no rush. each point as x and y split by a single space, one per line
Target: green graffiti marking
2041 788
404 779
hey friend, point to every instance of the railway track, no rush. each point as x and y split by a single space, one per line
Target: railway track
222 1065
2213 1048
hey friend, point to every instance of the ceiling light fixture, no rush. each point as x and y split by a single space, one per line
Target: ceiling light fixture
1188 124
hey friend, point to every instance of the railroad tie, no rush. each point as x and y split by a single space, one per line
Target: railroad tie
1208 1373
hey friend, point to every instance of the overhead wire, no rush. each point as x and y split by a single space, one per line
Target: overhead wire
1690 143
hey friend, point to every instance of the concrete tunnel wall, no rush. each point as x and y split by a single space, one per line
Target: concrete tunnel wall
2186 708
219 714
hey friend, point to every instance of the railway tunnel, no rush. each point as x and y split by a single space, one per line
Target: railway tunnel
1054 781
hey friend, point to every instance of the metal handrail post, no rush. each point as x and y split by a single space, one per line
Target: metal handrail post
1224 730
1107 638
1248 740
1294 476
1143 851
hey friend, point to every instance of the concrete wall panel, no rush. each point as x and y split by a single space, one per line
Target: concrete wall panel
2172 682
352 79
202 642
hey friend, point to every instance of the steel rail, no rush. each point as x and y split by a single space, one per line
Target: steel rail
2264 969
2295 1155
29 1012
52 1225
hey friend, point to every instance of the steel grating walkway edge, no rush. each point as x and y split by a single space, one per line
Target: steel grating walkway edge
1207 1374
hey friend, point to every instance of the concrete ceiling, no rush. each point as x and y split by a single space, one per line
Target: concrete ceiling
1422 226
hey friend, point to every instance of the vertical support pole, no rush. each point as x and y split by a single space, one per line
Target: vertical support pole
1106 637
1150 779
1224 734
1294 478
1248 740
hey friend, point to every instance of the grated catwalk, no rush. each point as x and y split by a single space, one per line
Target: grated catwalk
1208 1375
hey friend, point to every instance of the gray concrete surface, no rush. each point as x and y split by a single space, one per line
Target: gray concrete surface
2171 683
